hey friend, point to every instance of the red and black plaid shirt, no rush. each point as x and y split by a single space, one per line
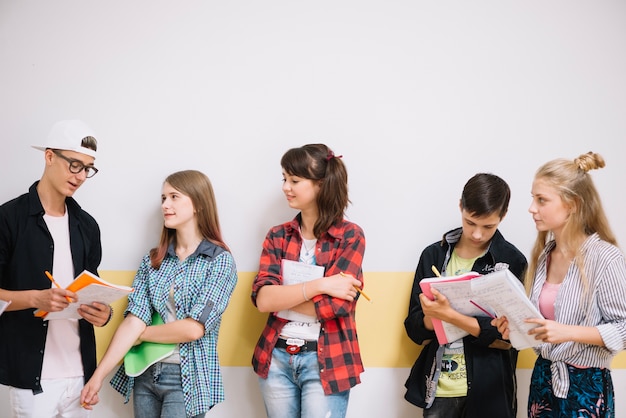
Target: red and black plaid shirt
339 250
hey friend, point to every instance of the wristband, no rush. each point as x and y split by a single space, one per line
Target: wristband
304 292
110 315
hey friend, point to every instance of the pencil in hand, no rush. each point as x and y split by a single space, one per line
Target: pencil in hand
54 282
362 293
359 290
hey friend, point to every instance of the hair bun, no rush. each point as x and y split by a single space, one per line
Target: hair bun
589 161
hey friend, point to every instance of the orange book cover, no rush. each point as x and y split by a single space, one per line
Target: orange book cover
89 288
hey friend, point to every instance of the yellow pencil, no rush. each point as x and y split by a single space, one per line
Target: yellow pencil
356 288
56 284
362 293
434 269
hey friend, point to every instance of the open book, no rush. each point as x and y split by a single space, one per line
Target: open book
458 290
89 288
505 294
495 294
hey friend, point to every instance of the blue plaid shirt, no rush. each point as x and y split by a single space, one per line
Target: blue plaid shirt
203 284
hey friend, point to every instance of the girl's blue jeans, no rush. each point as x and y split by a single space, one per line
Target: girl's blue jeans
293 388
158 392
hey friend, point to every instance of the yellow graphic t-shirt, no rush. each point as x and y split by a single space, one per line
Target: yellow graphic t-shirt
453 378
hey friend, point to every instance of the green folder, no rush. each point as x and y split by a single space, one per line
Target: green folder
144 355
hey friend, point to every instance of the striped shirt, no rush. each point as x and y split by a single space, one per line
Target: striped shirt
338 250
203 284
601 303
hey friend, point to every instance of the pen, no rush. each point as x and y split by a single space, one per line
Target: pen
356 288
56 284
434 269
483 309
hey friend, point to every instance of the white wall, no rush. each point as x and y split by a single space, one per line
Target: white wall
381 394
416 95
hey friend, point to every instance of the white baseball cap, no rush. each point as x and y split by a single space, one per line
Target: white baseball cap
68 135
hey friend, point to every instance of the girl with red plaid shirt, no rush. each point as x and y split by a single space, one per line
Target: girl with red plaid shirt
308 356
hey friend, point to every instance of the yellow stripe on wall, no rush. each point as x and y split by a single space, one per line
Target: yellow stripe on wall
380 323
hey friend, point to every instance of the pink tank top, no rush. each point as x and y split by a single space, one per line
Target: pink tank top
547 297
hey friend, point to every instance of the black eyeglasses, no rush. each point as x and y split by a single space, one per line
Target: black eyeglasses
76 166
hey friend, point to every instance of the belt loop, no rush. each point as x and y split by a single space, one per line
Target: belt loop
156 372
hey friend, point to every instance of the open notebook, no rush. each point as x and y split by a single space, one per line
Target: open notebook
499 293
89 288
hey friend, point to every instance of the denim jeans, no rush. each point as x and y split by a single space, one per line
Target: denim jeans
293 388
446 408
158 392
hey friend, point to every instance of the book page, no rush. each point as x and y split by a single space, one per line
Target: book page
458 291
294 272
504 293
459 295
103 292
87 296
3 305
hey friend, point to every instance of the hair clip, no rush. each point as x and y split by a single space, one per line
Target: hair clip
331 155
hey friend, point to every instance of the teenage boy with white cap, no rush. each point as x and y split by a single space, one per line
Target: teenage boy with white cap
45 363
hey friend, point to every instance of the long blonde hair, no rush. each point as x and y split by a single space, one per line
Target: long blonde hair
573 184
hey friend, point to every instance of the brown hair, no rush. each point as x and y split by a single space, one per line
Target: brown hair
318 162
485 194
90 143
198 188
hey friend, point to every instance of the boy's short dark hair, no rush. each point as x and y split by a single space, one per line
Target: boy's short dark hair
485 194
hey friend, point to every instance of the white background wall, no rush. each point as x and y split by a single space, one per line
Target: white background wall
416 95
